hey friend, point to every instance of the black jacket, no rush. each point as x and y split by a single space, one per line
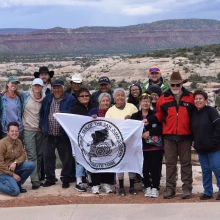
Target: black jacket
81 109
205 125
154 131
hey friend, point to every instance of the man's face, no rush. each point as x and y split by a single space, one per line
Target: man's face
58 92
13 132
176 88
75 86
45 77
104 87
155 77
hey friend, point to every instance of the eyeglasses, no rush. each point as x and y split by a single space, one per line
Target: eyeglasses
134 90
145 101
154 73
177 85
154 70
84 96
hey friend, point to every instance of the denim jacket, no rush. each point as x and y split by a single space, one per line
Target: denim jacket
24 99
4 106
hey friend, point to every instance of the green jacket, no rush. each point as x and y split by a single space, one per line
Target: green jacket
164 85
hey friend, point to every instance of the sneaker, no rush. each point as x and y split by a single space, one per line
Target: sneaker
35 184
218 197
205 197
65 184
147 192
47 184
95 189
121 192
106 187
169 195
132 191
80 187
154 193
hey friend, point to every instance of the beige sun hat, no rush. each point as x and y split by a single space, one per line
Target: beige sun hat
176 78
76 78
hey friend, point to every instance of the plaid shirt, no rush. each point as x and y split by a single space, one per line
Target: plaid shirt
54 126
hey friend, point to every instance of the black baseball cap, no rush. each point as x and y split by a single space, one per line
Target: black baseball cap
104 80
58 82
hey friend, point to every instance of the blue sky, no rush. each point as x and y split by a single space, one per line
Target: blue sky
77 13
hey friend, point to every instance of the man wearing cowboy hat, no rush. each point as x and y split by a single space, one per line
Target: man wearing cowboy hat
46 76
75 84
173 110
155 78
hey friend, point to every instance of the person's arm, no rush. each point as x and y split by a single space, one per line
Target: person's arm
3 166
22 156
215 119
41 121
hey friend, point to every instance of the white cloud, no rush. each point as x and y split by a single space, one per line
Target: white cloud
140 10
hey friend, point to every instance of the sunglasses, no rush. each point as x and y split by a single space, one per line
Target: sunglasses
177 85
84 96
154 70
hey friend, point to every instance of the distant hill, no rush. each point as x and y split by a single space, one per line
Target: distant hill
141 38
16 31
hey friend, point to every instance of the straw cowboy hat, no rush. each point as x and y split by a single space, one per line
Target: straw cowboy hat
43 69
176 78
76 78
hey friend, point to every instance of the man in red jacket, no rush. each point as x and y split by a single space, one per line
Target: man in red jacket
173 110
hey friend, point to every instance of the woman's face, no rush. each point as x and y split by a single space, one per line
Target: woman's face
155 97
12 86
105 103
84 98
119 98
135 91
145 104
37 88
200 101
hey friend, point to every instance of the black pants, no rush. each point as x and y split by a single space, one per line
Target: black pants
65 153
98 178
152 165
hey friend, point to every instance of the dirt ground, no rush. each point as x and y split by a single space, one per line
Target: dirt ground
55 195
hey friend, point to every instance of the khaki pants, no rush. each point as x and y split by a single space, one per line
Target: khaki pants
173 149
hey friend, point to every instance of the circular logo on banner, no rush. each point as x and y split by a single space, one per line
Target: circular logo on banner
101 144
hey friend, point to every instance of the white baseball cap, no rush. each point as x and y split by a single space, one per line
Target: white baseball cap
38 81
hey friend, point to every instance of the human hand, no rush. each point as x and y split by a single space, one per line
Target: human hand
94 116
145 121
16 177
146 135
127 117
12 167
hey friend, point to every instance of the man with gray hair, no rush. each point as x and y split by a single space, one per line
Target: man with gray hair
54 135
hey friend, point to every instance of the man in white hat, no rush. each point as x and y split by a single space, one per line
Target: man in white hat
174 108
75 84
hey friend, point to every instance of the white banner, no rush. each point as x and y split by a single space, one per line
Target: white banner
104 144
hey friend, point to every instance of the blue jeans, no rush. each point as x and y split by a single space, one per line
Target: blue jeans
8 184
80 170
210 162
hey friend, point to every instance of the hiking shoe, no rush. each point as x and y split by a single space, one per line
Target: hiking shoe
154 193
65 184
147 192
35 184
218 197
80 187
132 191
95 189
121 192
142 188
186 195
169 195
106 187
205 197
47 184
22 190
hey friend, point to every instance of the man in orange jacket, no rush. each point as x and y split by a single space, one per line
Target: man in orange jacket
173 110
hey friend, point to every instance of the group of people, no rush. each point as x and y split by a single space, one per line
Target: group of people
174 120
